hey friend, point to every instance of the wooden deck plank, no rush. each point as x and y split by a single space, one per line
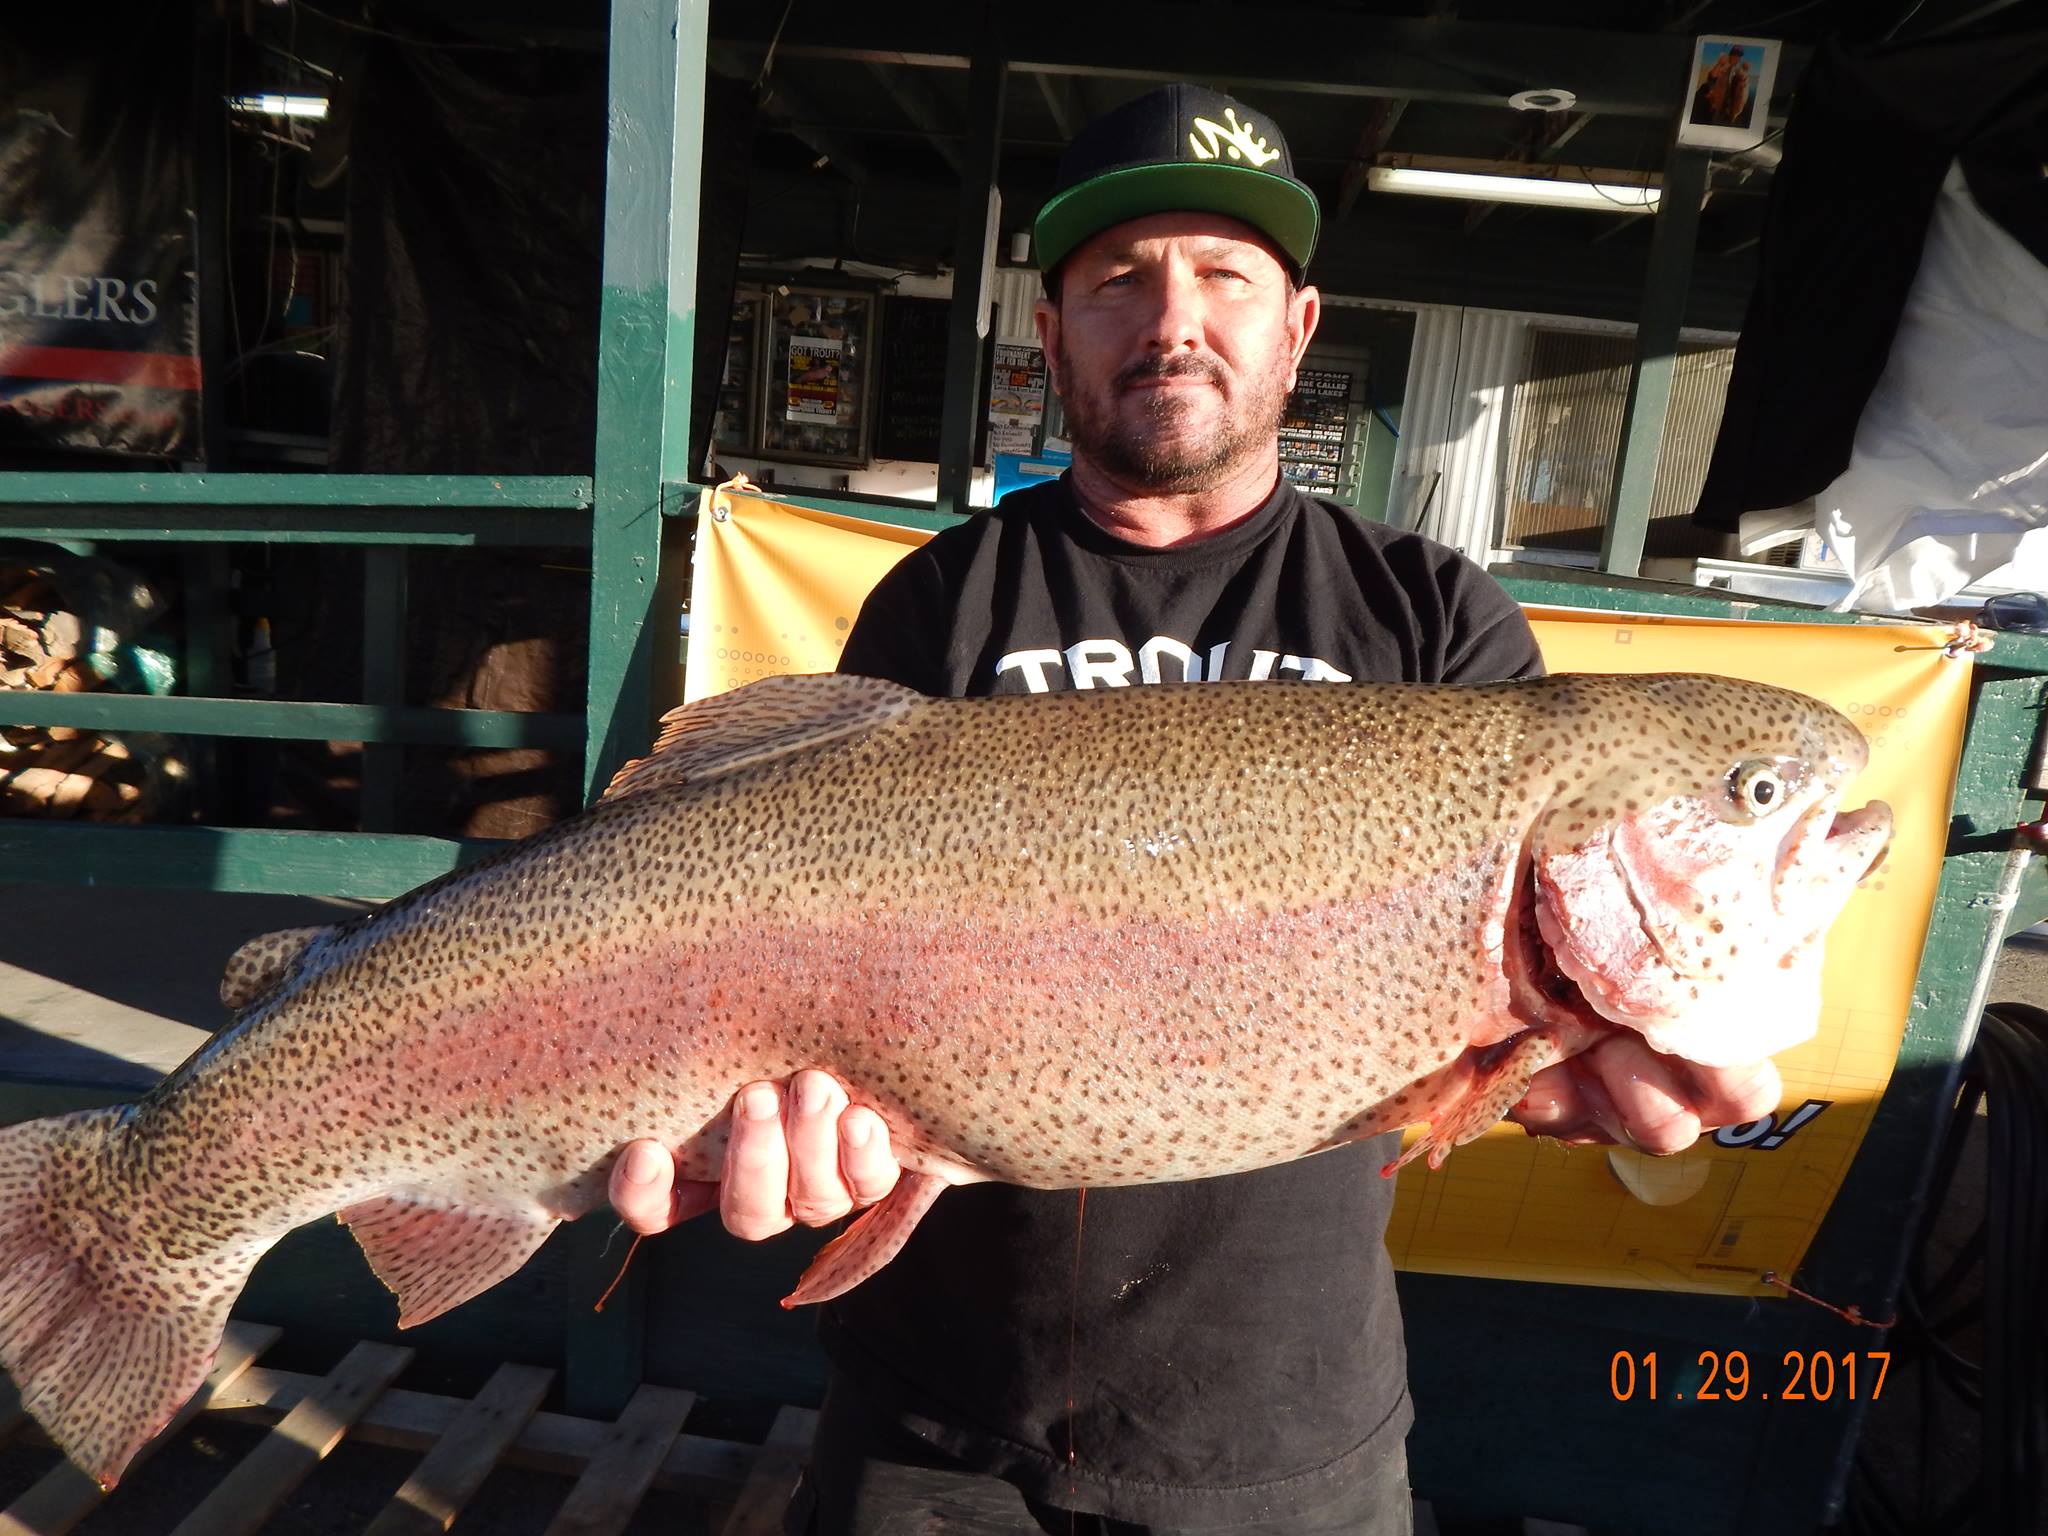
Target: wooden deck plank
622 1471
251 1494
765 1497
65 1495
464 1456
551 1442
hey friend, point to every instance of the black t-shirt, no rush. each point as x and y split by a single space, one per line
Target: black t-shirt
1235 1343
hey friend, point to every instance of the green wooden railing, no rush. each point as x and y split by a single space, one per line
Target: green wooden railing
648 316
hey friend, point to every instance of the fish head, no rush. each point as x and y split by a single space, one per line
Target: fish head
1685 883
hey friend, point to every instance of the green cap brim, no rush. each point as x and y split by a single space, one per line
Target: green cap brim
1282 210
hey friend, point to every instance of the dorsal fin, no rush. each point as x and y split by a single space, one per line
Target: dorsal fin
265 961
762 721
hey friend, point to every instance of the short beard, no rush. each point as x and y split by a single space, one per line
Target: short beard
1166 462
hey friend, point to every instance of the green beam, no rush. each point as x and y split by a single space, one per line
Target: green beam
1672 239
281 720
93 488
897 514
652 165
966 387
384 594
656 118
183 523
366 866
2014 655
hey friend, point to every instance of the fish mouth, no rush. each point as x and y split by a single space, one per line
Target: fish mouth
1847 828
1830 848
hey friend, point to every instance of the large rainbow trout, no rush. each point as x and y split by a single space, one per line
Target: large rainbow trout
1086 938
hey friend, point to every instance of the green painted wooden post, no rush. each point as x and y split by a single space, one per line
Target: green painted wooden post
652 164
1649 395
95 489
384 576
966 388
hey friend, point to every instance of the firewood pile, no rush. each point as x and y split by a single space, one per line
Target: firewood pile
57 771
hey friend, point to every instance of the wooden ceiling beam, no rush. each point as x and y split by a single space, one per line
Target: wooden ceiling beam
921 104
1626 74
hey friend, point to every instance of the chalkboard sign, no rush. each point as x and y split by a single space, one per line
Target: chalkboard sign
913 387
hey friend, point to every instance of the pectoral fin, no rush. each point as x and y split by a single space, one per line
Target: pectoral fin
875 1238
434 1256
1491 1092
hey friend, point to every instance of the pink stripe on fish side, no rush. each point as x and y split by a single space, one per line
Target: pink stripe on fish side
1065 1052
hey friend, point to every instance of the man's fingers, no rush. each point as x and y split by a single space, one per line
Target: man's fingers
817 1192
643 1186
1551 1104
865 1161
1733 1095
693 1198
1649 1093
754 1199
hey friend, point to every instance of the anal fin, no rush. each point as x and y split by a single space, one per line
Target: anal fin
876 1236
433 1255
1492 1092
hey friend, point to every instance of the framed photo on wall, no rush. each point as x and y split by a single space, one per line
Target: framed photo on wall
1728 97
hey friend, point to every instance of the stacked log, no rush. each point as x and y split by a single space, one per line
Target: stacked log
56 771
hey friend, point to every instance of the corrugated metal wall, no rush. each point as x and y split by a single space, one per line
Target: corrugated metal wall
1453 415
1511 422
1565 431
1016 289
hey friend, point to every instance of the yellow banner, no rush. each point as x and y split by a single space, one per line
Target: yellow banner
1748 1200
777 588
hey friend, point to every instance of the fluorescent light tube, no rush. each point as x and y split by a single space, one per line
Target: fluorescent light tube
1540 191
281 106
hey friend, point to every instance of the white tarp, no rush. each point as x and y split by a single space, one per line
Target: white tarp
1948 482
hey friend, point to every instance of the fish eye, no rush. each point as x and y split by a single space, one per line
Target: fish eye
1756 787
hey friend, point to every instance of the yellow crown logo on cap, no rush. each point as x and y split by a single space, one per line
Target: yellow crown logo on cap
1240 141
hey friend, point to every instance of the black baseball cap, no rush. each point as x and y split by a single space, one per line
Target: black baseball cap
1181 146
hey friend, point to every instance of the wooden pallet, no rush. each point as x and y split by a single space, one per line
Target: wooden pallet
614 1465
463 1439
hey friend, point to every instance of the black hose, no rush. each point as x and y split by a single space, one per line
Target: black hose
1987 1302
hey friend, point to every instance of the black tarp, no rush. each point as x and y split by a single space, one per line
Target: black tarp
1870 138
468 345
475 226
99 307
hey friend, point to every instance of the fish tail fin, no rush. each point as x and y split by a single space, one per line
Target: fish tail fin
104 1340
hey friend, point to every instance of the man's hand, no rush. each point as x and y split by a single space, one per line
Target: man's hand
801 1155
1621 1090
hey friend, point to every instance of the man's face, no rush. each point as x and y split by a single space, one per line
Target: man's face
1173 347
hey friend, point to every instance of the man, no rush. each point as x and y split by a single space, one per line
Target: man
1226 1353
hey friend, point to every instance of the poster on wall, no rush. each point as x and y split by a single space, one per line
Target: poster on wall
1314 430
813 394
1016 397
99 332
1729 95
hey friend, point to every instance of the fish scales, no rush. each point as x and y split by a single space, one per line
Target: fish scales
1087 938
845 919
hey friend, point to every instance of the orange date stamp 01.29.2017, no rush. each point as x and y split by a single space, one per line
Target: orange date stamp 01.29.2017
1726 1376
